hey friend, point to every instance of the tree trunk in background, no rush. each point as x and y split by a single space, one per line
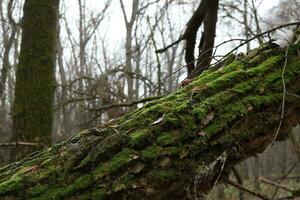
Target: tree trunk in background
8 34
246 24
34 91
128 45
209 34
174 147
221 192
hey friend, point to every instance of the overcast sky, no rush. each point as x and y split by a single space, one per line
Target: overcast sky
115 28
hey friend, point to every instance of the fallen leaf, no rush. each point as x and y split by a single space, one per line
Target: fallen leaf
185 82
209 118
159 120
165 162
184 154
119 186
249 108
113 126
202 133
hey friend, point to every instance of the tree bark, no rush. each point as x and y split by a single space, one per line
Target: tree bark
34 91
208 38
172 148
128 45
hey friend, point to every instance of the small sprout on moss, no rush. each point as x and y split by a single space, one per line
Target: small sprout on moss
261 91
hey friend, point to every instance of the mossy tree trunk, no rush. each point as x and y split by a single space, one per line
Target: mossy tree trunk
34 91
174 147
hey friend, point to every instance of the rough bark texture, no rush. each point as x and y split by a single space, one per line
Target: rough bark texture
34 91
173 147
206 48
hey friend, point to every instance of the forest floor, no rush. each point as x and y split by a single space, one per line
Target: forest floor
232 193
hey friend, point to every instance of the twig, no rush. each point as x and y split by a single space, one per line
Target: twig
253 193
239 180
261 34
127 104
275 184
284 177
10 144
294 95
183 66
233 50
169 46
223 158
283 98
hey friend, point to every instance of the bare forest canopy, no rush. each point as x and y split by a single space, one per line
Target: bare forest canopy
149 99
177 146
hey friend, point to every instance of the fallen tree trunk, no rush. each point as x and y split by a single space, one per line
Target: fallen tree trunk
174 147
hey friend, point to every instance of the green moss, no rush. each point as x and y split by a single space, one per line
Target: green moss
226 80
258 100
171 151
214 127
226 114
207 76
119 160
164 176
100 171
259 56
11 185
43 174
99 194
85 161
244 87
202 109
270 63
236 108
122 184
80 183
151 153
139 138
224 139
137 168
37 190
167 138
118 186
171 120
181 105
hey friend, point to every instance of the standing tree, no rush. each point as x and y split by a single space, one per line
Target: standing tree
32 111
128 46
206 14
